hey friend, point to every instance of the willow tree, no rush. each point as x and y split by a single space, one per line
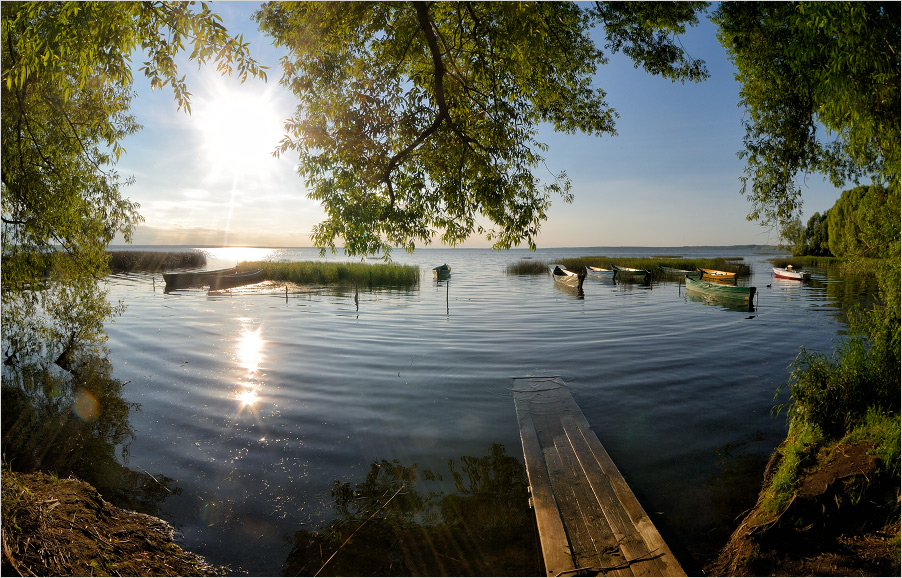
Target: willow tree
419 119
66 92
820 84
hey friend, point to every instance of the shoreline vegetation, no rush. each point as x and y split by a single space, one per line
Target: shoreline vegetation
63 527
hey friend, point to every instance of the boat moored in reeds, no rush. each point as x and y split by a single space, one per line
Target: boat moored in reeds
565 276
599 272
727 293
677 272
222 282
629 271
187 279
716 274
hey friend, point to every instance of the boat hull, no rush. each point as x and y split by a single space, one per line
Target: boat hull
715 274
676 272
599 272
565 276
726 293
629 271
787 274
236 280
187 279
441 272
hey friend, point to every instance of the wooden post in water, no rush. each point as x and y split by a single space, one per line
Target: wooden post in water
589 520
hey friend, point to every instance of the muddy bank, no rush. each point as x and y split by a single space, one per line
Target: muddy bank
842 521
62 527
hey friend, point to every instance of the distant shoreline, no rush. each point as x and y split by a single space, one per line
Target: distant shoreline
749 247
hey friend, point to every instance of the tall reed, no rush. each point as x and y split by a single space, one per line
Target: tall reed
133 261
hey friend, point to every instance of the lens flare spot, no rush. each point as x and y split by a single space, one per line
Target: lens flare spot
86 406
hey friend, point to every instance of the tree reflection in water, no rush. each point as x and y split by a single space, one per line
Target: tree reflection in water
69 423
386 527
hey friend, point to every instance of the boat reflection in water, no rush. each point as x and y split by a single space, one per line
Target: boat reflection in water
402 529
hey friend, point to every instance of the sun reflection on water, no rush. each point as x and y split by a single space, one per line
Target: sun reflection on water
249 357
247 397
250 350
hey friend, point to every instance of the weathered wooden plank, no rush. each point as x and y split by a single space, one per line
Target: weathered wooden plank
627 535
591 538
630 504
555 546
589 519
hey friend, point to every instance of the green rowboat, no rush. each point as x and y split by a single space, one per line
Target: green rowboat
716 291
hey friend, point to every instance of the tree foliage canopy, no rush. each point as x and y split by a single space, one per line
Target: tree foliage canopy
417 119
807 65
66 91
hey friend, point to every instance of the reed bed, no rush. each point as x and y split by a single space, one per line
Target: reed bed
346 274
153 261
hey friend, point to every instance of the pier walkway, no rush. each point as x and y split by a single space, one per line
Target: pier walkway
590 523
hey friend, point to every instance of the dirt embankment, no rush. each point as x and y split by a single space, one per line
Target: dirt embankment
54 527
842 521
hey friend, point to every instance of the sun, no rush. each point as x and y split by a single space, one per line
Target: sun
240 127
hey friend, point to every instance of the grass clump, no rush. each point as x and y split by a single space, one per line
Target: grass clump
370 275
528 267
153 261
849 397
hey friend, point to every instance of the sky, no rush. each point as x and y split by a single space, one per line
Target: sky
669 178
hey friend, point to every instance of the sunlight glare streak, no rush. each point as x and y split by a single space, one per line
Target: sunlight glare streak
250 350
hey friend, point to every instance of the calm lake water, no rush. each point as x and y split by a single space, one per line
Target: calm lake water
256 404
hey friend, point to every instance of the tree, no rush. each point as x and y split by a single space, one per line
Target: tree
820 86
793 232
861 221
817 235
420 119
66 91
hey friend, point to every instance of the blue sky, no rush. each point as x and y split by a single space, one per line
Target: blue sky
669 178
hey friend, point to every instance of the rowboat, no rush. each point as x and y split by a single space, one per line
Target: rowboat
565 276
790 273
599 272
628 271
441 272
185 279
717 274
236 280
676 272
716 291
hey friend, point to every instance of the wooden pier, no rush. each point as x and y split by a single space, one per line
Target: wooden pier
590 523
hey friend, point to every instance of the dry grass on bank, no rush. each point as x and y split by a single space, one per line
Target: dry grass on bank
62 527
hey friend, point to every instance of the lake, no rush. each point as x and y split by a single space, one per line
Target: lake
255 404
